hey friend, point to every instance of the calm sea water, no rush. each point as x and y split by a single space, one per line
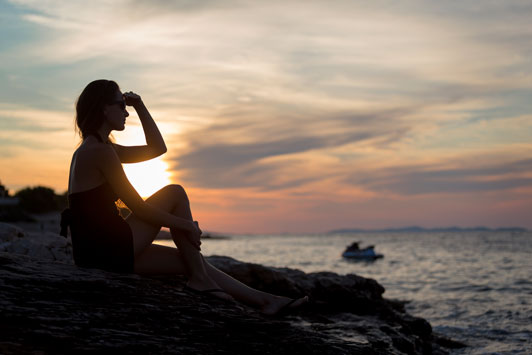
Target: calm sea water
475 287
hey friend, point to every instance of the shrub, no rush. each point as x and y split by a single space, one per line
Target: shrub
38 199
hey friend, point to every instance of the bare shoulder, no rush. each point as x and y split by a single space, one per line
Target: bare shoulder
90 162
91 148
106 155
96 154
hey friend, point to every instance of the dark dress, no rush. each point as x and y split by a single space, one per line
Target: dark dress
101 238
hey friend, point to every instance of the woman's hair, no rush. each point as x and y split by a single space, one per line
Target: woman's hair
90 105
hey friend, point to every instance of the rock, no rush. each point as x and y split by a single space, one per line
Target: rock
41 245
54 307
330 291
48 305
9 232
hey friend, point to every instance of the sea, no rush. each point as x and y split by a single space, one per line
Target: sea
474 286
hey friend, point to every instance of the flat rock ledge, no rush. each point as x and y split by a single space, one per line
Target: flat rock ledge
53 307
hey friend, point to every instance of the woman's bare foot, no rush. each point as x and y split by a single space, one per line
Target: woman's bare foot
209 288
278 305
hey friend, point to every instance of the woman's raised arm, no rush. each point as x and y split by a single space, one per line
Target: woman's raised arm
155 145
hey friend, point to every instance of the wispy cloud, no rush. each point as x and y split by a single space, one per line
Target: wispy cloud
466 176
257 153
24 120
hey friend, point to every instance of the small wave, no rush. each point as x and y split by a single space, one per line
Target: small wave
475 288
498 332
304 263
522 282
480 288
516 290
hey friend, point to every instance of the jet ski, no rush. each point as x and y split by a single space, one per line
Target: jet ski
354 251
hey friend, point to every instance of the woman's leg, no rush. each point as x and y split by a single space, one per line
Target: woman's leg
150 259
268 303
167 199
159 260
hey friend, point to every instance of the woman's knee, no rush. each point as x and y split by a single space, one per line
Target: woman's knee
177 192
173 198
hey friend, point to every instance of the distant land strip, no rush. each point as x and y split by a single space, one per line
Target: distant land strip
415 229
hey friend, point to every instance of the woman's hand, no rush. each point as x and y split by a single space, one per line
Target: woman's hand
197 226
193 234
132 99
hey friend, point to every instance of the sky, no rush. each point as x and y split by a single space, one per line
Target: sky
288 116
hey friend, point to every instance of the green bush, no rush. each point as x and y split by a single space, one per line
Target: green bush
38 199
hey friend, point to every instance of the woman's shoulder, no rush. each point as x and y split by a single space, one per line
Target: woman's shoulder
92 149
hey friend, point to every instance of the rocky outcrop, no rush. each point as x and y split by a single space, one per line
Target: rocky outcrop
349 308
41 245
50 306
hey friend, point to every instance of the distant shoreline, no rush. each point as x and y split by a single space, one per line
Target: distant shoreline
50 222
415 229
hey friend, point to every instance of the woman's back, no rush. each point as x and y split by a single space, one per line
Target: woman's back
101 238
96 205
84 171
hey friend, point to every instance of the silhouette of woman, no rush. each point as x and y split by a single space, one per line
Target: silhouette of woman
101 238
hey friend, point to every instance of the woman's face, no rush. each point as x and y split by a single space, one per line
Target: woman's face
116 113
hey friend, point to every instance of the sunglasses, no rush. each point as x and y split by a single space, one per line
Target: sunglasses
122 104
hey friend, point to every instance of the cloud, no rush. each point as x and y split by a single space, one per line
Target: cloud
241 165
466 177
21 118
24 130
273 153
13 124
377 149
346 54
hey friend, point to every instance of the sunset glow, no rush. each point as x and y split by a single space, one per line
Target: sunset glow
288 116
148 177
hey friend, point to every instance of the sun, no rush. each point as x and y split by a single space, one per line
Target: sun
149 176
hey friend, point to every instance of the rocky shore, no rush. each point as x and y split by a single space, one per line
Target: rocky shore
48 305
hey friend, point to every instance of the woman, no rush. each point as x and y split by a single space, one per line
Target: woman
102 239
